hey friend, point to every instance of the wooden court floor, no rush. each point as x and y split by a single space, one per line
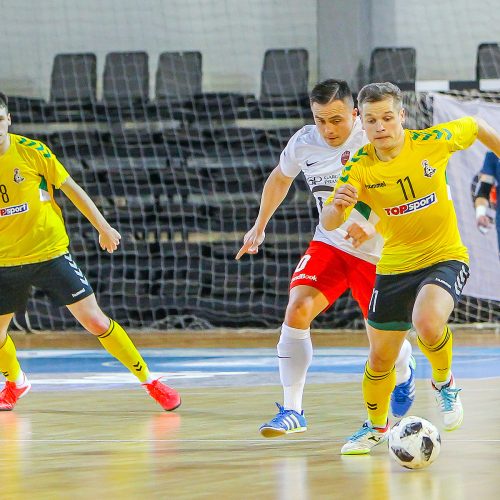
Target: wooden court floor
117 444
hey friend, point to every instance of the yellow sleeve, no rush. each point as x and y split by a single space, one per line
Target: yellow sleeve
350 175
460 134
51 168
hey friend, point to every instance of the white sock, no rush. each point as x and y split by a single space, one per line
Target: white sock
403 363
21 379
439 385
295 356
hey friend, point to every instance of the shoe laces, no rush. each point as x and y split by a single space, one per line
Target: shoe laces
365 429
281 413
448 397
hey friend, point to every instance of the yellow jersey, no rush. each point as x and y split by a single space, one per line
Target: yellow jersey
411 196
31 224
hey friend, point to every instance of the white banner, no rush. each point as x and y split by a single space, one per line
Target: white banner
484 281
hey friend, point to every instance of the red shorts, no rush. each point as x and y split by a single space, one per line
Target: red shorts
332 272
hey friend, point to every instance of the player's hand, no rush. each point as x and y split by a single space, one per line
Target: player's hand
345 196
483 223
109 239
251 242
359 232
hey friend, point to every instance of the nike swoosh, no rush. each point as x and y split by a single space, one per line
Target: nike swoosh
312 163
284 357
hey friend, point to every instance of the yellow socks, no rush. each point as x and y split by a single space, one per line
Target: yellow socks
439 355
9 365
116 341
377 388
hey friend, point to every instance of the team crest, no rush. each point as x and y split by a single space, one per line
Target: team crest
17 176
345 157
428 170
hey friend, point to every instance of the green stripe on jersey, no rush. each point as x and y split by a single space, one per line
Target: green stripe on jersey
363 209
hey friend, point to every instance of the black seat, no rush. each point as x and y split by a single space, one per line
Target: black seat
488 61
283 88
285 73
125 85
394 64
178 76
73 84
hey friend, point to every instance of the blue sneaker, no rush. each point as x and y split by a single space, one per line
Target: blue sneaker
403 395
285 422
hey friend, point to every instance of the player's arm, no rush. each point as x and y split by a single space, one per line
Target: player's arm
488 135
275 189
483 189
109 238
335 210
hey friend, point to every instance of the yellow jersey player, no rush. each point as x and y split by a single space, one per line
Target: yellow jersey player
34 252
401 176
331 264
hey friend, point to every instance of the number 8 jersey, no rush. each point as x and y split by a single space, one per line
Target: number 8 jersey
411 196
322 166
31 225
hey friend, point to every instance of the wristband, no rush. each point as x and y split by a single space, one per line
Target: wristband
480 211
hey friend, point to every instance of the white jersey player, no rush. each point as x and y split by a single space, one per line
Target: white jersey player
334 261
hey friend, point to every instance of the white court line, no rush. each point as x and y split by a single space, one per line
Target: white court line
254 441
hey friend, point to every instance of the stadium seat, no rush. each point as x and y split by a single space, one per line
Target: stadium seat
125 85
394 64
488 61
179 93
283 88
73 84
178 76
285 74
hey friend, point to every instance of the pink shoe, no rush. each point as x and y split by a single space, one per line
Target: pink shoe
168 398
11 393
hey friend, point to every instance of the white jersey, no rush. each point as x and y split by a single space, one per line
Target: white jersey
322 165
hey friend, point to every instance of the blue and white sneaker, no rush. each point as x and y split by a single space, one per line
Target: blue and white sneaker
362 441
285 422
450 405
403 395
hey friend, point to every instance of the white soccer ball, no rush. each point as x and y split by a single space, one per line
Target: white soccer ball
414 442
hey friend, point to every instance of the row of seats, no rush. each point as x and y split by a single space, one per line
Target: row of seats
178 89
398 64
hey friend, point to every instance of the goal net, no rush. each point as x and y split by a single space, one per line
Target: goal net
171 115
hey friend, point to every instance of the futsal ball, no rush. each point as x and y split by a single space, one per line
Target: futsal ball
414 442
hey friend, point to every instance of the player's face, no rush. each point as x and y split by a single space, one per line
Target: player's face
4 126
383 123
334 121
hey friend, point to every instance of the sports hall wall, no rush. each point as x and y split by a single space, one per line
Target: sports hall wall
445 34
233 35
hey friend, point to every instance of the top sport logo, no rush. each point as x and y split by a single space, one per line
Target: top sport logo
14 210
412 206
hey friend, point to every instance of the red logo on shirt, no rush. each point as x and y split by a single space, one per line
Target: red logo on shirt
345 157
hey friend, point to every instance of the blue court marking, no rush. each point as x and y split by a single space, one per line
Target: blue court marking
468 362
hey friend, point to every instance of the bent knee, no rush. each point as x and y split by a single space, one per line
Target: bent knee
300 309
96 324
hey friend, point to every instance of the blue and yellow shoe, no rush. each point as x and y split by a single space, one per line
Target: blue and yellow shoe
403 395
285 422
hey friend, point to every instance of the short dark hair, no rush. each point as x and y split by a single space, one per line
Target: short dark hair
375 92
4 101
331 90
